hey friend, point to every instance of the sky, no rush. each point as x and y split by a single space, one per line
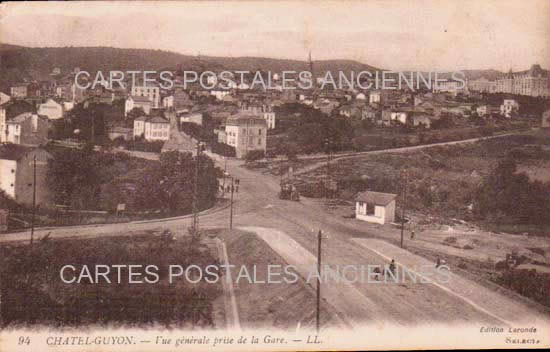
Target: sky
424 35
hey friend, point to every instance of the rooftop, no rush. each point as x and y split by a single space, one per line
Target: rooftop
245 119
13 151
140 99
377 198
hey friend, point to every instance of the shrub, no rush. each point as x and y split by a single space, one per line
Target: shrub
254 155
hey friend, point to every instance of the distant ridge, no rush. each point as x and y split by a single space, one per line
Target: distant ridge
19 63
22 63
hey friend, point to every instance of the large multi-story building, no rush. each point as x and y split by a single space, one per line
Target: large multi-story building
246 133
534 82
149 90
263 110
25 129
154 128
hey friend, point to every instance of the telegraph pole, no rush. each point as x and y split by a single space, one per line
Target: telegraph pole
319 236
327 185
196 192
33 198
231 206
403 206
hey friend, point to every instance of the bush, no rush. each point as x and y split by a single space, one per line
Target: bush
223 149
254 155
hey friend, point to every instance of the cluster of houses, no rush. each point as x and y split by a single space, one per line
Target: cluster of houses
243 116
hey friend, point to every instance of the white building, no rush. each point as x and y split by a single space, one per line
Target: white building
375 97
509 108
219 94
263 110
150 91
192 117
52 109
400 116
246 133
152 128
361 96
168 102
4 98
137 102
449 85
375 207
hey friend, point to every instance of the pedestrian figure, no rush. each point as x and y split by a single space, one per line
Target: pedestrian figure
392 266
412 235
377 273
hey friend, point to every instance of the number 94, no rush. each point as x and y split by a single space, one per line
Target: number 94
24 340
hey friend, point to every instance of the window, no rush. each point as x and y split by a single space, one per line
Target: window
370 209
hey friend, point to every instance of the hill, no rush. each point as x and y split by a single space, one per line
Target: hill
22 63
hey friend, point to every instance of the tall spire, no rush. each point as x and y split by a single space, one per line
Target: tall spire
311 69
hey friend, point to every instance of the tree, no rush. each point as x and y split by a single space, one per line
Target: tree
506 194
73 178
171 186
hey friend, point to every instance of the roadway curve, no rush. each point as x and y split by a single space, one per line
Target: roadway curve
291 229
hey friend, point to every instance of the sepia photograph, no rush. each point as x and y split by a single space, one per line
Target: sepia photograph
264 175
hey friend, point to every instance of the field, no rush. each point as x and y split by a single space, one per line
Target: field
33 292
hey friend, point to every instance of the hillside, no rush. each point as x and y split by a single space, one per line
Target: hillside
21 63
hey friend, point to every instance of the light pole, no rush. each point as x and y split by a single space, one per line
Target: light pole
231 206
33 198
406 175
317 321
328 144
196 190
234 188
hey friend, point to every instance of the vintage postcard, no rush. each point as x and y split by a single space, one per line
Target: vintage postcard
274 175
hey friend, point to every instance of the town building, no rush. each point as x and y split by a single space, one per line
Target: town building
118 132
375 97
17 170
545 123
150 90
449 86
154 128
246 133
52 109
263 110
134 101
534 82
19 90
509 108
192 117
375 207
421 120
4 98
482 85
26 129
219 93
483 110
